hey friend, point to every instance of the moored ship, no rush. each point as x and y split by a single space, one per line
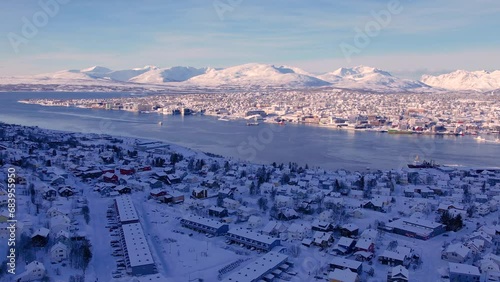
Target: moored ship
424 164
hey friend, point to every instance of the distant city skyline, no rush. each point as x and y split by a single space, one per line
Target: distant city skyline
406 38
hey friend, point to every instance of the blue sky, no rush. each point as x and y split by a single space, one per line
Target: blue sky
425 36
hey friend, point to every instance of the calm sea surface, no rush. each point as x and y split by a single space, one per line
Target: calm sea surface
315 146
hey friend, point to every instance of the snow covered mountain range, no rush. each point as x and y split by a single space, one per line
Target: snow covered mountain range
465 80
262 75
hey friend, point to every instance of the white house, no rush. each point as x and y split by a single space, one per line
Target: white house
254 221
58 253
398 274
34 271
298 231
456 253
343 275
463 272
284 201
230 204
54 211
58 223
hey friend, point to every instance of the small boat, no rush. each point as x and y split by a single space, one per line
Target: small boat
252 123
424 164
160 123
480 139
224 118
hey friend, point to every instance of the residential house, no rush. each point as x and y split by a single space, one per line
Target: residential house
374 204
398 274
58 223
343 275
324 226
127 170
392 258
463 272
323 239
217 212
254 221
415 228
40 237
298 231
109 177
199 193
273 228
365 244
34 271
456 253
230 204
158 192
349 230
58 252
343 263
173 197
252 239
49 193
122 189
66 191
287 214
344 246
284 201
206 225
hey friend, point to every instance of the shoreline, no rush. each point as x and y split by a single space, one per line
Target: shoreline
390 131
184 149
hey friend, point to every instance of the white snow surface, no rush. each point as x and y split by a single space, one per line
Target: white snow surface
465 80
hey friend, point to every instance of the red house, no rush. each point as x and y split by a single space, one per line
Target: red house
144 168
109 177
127 171
157 193
366 245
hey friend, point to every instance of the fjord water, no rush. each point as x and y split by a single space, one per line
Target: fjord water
315 146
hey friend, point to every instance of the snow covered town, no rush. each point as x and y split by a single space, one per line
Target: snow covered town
407 113
94 207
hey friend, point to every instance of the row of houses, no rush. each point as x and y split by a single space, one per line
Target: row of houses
137 253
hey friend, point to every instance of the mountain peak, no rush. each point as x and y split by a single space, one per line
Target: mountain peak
96 69
465 80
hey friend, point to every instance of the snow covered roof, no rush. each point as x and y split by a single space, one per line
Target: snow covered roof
350 226
399 271
458 249
299 228
44 232
344 275
136 244
252 235
364 244
349 263
35 265
392 255
108 175
258 268
203 221
460 268
345 241
126 209
419 226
